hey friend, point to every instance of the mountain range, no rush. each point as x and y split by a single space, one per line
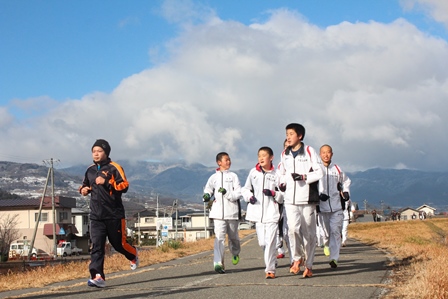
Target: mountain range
373 188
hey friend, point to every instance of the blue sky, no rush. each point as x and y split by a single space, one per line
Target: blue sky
162 71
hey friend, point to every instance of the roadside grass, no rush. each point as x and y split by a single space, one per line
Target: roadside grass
418 251
42 276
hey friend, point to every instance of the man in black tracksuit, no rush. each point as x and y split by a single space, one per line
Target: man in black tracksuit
105 181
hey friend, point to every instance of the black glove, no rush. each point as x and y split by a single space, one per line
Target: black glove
298 177
282 187
268 192
222 190
345 196
339 186
252 200
324 197
206 197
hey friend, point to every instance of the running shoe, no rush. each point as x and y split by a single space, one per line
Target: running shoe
327 251
295 267
307 273
343 244
135 262
235 259
270 275
280 256
219 268
333 264
98 282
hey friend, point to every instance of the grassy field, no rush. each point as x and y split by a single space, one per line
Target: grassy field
418 255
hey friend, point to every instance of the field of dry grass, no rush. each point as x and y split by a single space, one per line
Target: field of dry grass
42 276
419 254
418 251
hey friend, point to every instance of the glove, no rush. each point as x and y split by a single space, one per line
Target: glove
268 192
339 186
222 190
345 196
282 187
206 197
324 197
298 177
252 200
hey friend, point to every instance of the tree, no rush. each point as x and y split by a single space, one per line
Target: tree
8 233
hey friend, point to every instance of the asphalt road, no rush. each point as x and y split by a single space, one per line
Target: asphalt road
361 273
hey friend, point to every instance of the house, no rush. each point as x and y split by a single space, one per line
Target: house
409 214
27 210
430 211
190 226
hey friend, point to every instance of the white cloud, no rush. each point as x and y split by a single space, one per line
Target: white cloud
375 92
436 9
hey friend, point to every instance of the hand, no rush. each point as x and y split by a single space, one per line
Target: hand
268 192
339 186
324 197
282 187
252 200
298 177
84 191
222 190
100 180
206 197
345 196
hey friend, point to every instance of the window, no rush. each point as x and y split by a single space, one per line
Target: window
149 220
43 217
63 216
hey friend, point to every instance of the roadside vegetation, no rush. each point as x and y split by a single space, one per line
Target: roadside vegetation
418 252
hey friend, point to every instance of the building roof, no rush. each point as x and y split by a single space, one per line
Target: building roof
34 203
426 206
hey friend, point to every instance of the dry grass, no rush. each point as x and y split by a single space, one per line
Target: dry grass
42 276
420 255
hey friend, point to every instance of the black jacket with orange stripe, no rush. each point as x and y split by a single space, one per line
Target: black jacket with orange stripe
105 201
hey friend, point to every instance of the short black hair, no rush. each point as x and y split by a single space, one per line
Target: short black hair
220 155
267 149
298 128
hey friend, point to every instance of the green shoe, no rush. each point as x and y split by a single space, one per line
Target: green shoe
327 250
236 259
219 268
334 264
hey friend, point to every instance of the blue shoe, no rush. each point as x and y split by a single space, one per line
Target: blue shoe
98 282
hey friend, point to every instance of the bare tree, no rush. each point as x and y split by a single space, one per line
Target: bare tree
8 232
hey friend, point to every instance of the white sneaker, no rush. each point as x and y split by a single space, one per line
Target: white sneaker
135 262
98 282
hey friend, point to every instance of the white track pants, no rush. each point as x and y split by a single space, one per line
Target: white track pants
332 225
267 239
345 226
302 230
223 227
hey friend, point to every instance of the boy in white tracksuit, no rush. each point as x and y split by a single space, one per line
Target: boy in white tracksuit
263 196
333 193
225 187
300 173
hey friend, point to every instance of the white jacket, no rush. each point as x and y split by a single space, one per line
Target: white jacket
266 208
306 162
227 206
328 185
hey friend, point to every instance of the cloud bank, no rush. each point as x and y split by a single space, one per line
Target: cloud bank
376 92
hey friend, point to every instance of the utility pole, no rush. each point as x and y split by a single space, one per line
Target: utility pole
205 222
138 243
365 205
175 203
51 171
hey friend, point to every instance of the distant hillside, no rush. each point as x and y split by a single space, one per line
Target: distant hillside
388 187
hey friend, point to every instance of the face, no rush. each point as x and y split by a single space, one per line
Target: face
292 139
98 154
265 159
326 154
224 163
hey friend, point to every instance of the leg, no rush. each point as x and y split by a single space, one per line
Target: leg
220 237
98 232
336 219
308 224
116 232
270 241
